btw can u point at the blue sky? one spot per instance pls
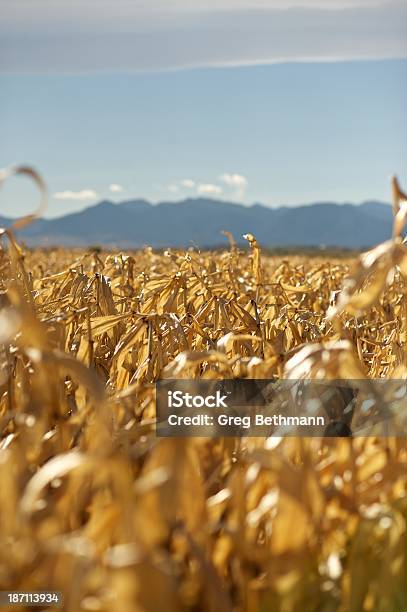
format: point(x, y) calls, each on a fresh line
point(110, 106)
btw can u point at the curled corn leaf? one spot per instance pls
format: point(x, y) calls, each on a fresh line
point(39, 181)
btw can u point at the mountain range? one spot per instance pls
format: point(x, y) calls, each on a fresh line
point(199, 222)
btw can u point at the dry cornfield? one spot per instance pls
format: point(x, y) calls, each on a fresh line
point(93, 504)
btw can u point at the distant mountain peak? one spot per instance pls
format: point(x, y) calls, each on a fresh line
point(200, 221)
point(137, 203)
point(102, 204)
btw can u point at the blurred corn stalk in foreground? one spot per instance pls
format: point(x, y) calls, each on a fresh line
point(94, 505)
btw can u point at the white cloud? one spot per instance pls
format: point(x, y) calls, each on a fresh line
point(238, 182)
point(115, 188)
point(209, 189)
point(173, 188)
point(85, 194)
point(188, 183)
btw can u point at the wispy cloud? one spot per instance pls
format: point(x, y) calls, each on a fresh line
point(209, 189)
point(82, 196)
point(233, 5)
point(238, 182)
point(44, 35)
point(115, 188)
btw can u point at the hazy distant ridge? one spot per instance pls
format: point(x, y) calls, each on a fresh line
point(199, 222)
